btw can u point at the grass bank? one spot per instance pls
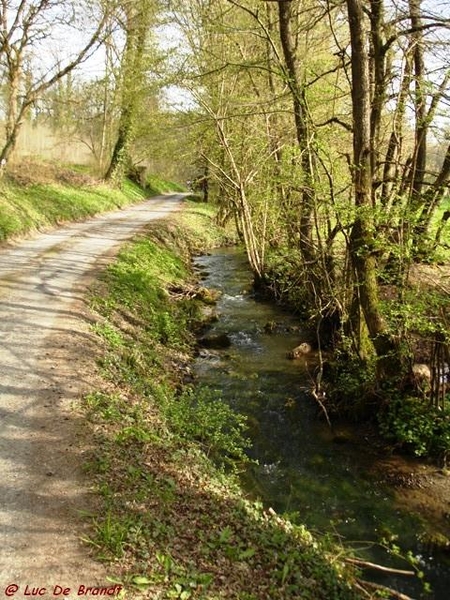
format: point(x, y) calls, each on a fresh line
point(174, 522)
point(38, 195)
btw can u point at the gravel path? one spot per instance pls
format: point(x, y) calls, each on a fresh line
point(46, 352)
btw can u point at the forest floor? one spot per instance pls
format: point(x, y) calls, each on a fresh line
point(432, 277)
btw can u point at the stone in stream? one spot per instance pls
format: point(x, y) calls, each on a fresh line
point(280, 327)
point(300, 350)
point(208, 295)
point(217, 341)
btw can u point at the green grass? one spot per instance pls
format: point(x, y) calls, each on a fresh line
point(174, 521)
point(39, 196)
point(158, 185)
point(24, 208)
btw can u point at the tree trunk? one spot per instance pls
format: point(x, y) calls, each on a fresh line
point(120, 160)
point(421, 126)
point(138, 19)
point(362, 234)
point(288, 42)
point(379, 79)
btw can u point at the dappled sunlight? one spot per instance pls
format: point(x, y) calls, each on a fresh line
point(45, 364)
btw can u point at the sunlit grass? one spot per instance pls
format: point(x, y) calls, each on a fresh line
point(39, 196)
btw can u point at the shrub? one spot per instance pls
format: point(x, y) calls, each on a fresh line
point(199, 414)
point(418, 427)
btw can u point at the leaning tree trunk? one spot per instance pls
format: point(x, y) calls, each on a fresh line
point(133, 78)
point(303, 134)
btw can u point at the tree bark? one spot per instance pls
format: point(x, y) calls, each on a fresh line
point(287, 37)
point(138, 21)
point(379, 79)
point(362, 238)
point(421, 126)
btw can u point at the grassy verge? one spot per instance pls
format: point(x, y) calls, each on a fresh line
point(174, 522)
point(157, 185)
point(34, 196)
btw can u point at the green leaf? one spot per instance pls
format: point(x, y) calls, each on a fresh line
point(225, 535)
point(141, 581)
point(285, 573)
point(247, 553)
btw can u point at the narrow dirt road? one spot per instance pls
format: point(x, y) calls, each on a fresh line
point(45, 361)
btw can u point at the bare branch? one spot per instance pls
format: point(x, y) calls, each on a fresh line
point(335, 120)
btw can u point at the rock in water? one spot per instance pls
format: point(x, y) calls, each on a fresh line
point(217, 341)
point(300, 350)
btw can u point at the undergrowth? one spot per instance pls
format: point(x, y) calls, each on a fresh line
point(174, 520)
point(412, 424)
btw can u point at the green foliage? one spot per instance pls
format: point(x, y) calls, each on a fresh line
point(194, 220)
point(110, 334)
point(107, 406)
point(417, 312)
point(351, 383)
point(158, 185)
point(200, 414)
point(111, 534)
point(281, 279)
point(415, 425)
point(180, 526)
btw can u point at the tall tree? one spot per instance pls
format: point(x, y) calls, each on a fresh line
point(288, 20)
point(135, 19)
point(362, 238)
point(29, 25)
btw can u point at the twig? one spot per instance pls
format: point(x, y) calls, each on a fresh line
point(317, 391)
point(371, 565)
point(317, 395)
point(376, 586)
point(359, 587)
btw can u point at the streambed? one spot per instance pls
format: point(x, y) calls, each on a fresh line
point(343, 488)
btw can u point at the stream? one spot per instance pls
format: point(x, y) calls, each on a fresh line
point(302, 471)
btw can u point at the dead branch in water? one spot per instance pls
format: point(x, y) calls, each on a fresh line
point(368, 585)
point(371, 565)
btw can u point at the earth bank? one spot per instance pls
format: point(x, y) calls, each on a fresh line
point(174, 522)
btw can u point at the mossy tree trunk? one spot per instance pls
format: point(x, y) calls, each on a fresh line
point(137, 19)
point(362, 237)
point(304, 134)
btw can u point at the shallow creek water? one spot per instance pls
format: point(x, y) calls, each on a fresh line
point(301, 469)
